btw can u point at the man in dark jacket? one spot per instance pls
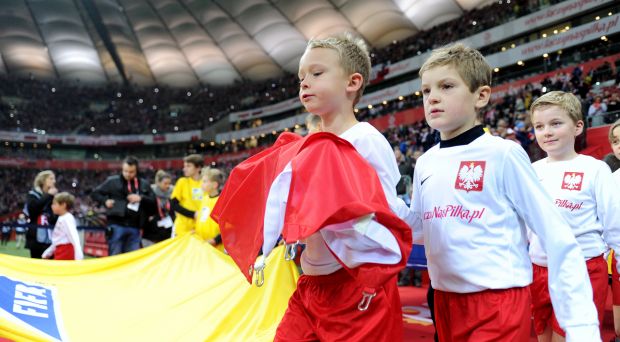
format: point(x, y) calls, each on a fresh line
point(128, 200)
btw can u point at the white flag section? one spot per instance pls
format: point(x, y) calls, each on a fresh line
point(178, 290)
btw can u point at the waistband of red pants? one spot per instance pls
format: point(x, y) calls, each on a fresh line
point(338, 276)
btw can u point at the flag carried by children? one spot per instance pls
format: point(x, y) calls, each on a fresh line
point(330, 183)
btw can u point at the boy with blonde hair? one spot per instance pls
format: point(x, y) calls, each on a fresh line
point(473, 196)
point(65, 239)
point(613, 158)
point(206, 227)
point(582, 188)
point(333, 73)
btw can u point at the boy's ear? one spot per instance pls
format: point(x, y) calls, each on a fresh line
point(579, 127)
point(483, 95)
point(356, 80)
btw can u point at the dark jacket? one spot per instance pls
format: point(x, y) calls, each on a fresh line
point(152, 231)
point(117, 189)
point(39, 211)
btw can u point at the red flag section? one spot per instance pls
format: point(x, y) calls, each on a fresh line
point(240, 210)
point(331, 183)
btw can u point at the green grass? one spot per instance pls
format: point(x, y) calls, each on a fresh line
point(22, 252)
point(11, 250)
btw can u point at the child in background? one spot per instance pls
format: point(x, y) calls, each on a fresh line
point(186, 196)
point(159, 226)
point(474, 193)
point(206, 228)
point(6, 233)
point(614, 159)
point(313, 123)
point(65, 239)
point(583, 190)
point(20, 231)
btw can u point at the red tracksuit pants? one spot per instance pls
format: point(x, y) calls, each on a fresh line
point(325, 308)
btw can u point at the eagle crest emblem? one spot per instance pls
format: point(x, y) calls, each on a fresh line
point(470, 176)
point(572, 181)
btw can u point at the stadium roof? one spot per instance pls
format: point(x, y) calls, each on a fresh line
point(185, 43)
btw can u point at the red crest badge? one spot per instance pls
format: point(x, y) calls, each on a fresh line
point(470, 176)
point(572, 181)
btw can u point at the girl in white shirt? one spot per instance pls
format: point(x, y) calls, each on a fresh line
point(582, 189)
point(65, 240)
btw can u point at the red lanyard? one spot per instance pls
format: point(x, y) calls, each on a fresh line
point(159, 208)
point(135, 183)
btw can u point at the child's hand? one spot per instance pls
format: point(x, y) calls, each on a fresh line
point(212, 242)
point(109, 203)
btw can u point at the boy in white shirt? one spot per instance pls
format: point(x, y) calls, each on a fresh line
point(329, 303)
point(474, 194)
point(65, 239)
point(583, 190)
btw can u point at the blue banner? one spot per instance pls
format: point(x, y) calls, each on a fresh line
point(31, 304)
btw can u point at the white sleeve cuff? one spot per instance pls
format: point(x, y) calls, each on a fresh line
point(579, 333)
point(362, 240)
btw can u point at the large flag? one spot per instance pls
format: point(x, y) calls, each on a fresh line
point(240, 209)
point(330, 183)
point(178, 290)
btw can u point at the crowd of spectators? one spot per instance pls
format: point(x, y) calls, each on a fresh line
point(32, 105)
point(470, 23)
point(506, 116)
point(60, 107)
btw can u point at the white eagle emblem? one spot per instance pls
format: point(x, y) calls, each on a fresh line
point(572, 180)
point(470, 176)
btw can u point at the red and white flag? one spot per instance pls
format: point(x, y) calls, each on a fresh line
point(330, 184)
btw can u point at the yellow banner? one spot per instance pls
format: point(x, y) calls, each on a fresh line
point(181, 289)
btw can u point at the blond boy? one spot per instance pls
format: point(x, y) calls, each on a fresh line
point(329, 304)
point(613, 158)
point(614, 141)
point(474, 194)
point(582, 188)
point(206, 227)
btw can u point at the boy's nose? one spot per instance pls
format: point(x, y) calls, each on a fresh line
point(432, 98)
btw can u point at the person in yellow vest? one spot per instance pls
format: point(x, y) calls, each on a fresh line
point(186, 196)
point(206, 228)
